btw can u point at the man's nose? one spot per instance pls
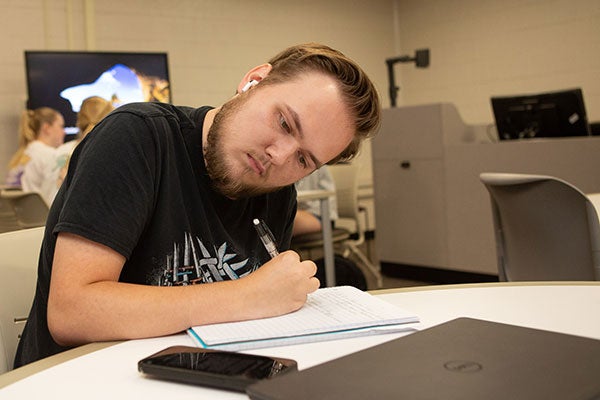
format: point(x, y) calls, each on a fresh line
point(280, 151)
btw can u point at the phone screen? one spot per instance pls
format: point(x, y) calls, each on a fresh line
point(221, 369)
point(230, 364)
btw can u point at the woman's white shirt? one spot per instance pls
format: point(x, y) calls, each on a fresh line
point(41, 172)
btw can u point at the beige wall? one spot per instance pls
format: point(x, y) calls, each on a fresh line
point(481, 48)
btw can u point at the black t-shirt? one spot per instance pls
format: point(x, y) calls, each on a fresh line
point(138, 184)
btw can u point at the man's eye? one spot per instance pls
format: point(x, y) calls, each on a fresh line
point(284, 123)
point(302, 160)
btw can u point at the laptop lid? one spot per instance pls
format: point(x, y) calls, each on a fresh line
point(461, 359)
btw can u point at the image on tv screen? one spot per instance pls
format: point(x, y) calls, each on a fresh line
point(62, 80)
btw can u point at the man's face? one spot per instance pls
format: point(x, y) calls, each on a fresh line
point(272, 136)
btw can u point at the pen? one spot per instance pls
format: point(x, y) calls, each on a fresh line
point(266, 237)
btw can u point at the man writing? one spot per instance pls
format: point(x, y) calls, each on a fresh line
point(151, 231)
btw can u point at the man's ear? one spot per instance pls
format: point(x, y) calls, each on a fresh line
point(255, 74)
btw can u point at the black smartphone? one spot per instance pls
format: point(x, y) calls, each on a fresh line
point(220, 369)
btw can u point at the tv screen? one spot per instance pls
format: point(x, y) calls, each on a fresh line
point(551, 114)
point(63, 79)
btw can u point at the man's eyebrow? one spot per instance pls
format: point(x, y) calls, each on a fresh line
point(298, 126)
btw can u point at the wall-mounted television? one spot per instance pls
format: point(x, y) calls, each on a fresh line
point(63, 79)
point(541, 115)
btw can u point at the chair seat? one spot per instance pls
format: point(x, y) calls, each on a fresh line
point(315, 239)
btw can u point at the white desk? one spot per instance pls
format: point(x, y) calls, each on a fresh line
point(323, 197)
point(111, 372)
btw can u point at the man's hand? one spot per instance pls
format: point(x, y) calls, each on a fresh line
point(281, 285)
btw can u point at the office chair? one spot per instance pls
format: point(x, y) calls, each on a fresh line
point(345, 241)
point(545, 229)
point(19, 252)
point(21, 210)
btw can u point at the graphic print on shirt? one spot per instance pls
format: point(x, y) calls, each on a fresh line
point(194, 263)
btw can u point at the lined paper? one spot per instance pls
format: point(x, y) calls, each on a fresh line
point(342, 310)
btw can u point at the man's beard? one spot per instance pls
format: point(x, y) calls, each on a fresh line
point(218, 169)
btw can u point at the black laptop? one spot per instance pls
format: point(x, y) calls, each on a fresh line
point(461, 359)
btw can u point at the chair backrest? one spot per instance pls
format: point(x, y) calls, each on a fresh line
point(545, 229)
point(8, 216)
point(21, 210)
point(19, 252)
point(346, 193)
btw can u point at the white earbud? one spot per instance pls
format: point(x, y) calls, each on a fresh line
point(249, 85)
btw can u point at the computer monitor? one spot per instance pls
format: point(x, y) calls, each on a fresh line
point(542, 115)
point(63, 79)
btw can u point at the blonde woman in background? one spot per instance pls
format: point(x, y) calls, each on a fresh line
point(41, 132)
point(92, 110)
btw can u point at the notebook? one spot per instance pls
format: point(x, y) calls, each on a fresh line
point(461, 359)
point(328, 314)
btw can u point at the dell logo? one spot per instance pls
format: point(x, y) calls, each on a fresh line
point(463, 366)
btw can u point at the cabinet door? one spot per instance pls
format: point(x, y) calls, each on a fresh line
point(410, 212)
